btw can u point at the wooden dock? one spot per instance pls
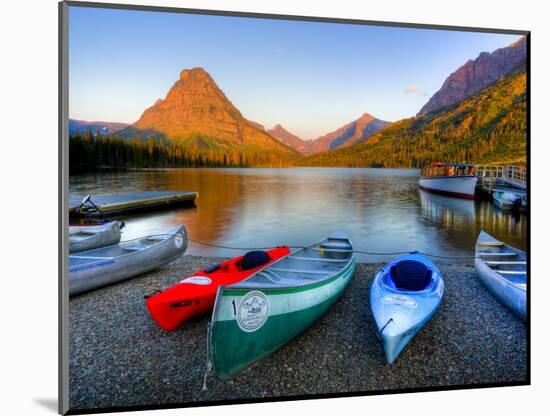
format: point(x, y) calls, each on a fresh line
point(117, 204)
point(493, 178)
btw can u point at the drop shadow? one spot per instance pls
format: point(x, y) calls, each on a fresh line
point(49, 404)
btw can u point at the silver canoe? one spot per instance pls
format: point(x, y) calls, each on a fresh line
point(92, 269)
point(503, 270)
point(87, 237)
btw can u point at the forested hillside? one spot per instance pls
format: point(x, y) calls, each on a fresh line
point(490, 126)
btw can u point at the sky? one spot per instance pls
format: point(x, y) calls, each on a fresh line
point(310, 77)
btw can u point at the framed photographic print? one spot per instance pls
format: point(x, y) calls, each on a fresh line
point(265, 207)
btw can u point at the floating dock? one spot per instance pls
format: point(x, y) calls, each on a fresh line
point(117, 204)
point(494, 178)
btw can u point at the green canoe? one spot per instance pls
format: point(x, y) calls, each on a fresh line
point(256, 316)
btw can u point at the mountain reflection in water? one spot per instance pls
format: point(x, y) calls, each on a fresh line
point(382, 209)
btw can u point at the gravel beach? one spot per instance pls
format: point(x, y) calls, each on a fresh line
point(119, 357)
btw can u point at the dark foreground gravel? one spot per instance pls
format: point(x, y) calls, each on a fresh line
point(119, 357)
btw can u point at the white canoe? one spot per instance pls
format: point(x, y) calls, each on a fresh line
point(92, 269)
point(87, 237)
point(503, 270)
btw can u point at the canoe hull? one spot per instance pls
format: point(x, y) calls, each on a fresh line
point(511, 296)
point(400, 314)
point(234, 346)
point(457, 186)
point(87, 277)
point(97, 236)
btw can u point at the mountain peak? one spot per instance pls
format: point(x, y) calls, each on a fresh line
point(286, 137)
point(477, 74)
point(197, 115)
point(357, 131)
point(518, 42)
point(279, 128)
point(194, 72)
point(366, 117)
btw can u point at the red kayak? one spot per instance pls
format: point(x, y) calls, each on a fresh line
point(195, 295)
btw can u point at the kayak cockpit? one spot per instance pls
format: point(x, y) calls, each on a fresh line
point(251, 260)
point(409, 275)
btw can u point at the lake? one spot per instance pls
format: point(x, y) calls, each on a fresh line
point(383, 210)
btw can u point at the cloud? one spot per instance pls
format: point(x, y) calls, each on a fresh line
point(413, 89)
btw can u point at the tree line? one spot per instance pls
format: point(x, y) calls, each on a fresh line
point(90, 151)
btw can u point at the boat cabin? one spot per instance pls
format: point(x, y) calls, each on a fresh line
point(448, 169)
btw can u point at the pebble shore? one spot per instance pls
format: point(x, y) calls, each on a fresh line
point(118, 357)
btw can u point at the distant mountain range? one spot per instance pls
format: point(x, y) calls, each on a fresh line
point(477, 115)
point(490, 126)
point(196, 114)
point(104, 127)
point(475, 75)
point(355, 132)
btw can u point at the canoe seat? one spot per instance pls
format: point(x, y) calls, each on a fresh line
point(410, 275)
point(335, 245)
point(134, 247)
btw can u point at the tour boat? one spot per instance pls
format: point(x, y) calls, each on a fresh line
point(452, 179)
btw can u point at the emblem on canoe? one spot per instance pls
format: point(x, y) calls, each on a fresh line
point(253, 311)
point(400, 300)
point(178, 240)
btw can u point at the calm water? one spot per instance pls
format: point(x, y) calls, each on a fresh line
point(382, 209)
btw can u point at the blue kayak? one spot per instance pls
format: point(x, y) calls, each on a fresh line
point(404, 296)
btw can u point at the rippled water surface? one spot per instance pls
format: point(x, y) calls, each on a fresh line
point(382, 209)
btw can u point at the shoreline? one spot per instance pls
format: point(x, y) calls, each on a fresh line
point(119, 357)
